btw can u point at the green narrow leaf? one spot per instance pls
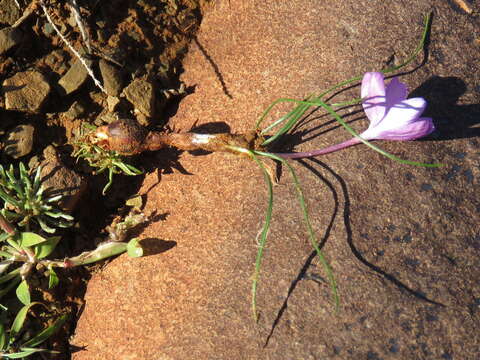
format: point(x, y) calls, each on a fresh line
point(22, 354)
point(52, 278)
point(4, 236)
point(10, 275)
point(46, 333)
point(332, 112)
point(44, 249)
point(23, 293)
point(44, 226)
point(9, 199)
point(421, 44)
point(263, 236)
point(24, 177)
point(110, 181)
point(37, 180)
point(293, 118)
point(128, 169)
point(27, 239)
point(134, 249)
point(20, 320)
point(58, 214)
point(3, 337)
point(15, 281)
point(103, 251)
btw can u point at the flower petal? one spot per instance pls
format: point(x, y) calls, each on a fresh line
point(409, 131)
point(404, 112)
point(373, 95)
point(396, 92)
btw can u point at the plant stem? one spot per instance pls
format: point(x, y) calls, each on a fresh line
point(312, 153)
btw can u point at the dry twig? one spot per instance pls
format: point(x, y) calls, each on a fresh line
point(75, 52)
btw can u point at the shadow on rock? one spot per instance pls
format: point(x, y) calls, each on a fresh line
point(154, 246)
point(304, 274)
point(452, 121)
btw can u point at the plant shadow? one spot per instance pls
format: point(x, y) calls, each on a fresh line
point(452, 121)
point(155, 246)
point(315, 166)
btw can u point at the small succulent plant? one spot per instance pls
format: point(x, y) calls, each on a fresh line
point(25, 200)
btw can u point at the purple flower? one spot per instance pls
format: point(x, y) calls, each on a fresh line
point(392, 116)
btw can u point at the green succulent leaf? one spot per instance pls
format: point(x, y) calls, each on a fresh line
point(44, 249)
point(20, 320)
point(52, 278)
point(3, 337)
point(27, 239)
point(45, 227)
point(23, 293)
point(4, 236)
point(134, 249)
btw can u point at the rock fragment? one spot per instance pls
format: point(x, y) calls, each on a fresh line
point(74, 78)
point(75, 111)
point(9, 38)
point(112, 103)
point(9, 12)
point(112, 78)
point(19, 141)
point(58, 179)
point(26, 91)
point(141, 93)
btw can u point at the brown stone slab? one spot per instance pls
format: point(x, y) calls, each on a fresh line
point(191, 300)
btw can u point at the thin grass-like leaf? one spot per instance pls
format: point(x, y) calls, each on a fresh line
point(293, 118)
point(59, 215)
point(44, 226)
point(128, 169)
point(263, 235)
point(9, 199)
point(355, 134)
point(37, 180)
point(109, 183)
point(14, 184)
point(306, 218)
point(299, 110)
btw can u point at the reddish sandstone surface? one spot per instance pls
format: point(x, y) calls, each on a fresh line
point(190, 299)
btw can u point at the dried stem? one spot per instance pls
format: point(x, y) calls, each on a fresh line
point(75, 52)
point(78, 19)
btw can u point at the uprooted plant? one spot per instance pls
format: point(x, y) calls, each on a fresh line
point(392, 117)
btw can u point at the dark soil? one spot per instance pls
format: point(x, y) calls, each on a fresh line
point(141, 39)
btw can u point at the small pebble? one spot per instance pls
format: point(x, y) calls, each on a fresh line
point(9, 38)
point(141, 94)
point(74, 78)
point(26, 91)
point(19, 141)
